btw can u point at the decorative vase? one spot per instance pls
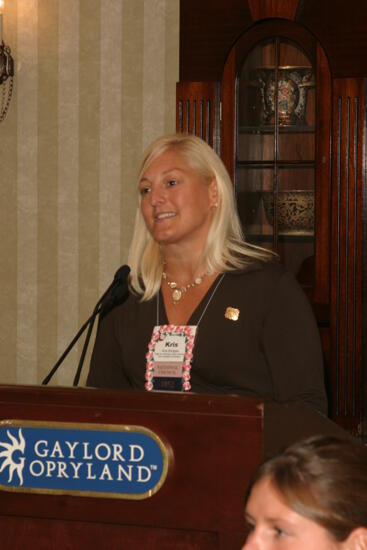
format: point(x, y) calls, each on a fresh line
point(293, 83)
point(296, 211)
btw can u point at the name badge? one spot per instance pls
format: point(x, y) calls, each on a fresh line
point(169, 356)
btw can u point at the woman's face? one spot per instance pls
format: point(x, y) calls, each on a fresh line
point(176, 202)
point(274, 526)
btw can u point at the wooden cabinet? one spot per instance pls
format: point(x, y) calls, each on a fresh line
point(290, 129)
point(274, 156)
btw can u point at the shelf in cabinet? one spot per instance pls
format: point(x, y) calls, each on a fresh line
point(270, 129)
point(267, 191)
point(282, 237)
point(260, 164)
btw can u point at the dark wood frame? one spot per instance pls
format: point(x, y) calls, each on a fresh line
point(319, 295)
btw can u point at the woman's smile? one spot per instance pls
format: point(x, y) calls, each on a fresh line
point(164, 216)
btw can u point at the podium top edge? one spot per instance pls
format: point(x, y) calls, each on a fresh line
point(133, 400)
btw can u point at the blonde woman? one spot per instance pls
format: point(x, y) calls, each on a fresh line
point(207, 312)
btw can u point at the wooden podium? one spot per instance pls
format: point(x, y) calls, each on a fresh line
point(215, 442)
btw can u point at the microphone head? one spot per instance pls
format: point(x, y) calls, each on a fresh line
point(122, 274)
point(117, 292)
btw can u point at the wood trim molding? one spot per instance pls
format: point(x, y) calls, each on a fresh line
point(321, 291)
point(346, 252)
point(261, 9)
point(228, 123)
point(198, 110)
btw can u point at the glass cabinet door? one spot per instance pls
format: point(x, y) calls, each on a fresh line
point(275, 153)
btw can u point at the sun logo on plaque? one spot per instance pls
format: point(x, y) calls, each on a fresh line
point(16, 445)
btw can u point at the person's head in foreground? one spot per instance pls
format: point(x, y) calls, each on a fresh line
point(313, 496)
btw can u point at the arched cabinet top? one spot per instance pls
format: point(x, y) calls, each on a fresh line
point(263, 30)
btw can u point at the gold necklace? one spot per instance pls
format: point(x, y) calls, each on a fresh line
point(178, 292)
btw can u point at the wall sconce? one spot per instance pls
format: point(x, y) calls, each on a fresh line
point(6, 71)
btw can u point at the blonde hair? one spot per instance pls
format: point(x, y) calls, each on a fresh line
point(225, 249)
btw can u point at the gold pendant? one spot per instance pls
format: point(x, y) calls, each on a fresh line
point(176, 295)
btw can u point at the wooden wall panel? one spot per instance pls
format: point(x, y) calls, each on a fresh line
point(286, 9)
point(364, 273)
point(197, 110)
point(346, 252)
point(209, 28)
point(321, 291)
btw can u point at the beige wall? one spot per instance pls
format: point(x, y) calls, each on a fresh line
point(95, 83)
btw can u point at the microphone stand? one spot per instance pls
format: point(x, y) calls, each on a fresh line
point(46, 380)
point(85, 346)
point(119, 280)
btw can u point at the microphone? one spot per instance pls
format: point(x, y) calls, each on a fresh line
point(116, 291)
point(111, 297)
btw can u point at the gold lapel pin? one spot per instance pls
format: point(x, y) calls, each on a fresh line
point(232, 313)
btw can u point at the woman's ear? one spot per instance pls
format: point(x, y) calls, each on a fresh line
point(213, 190)
point(357, 540)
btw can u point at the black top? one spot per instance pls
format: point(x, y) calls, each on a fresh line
point(272, 350)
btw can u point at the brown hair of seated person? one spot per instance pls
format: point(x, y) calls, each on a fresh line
point(323, 479)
